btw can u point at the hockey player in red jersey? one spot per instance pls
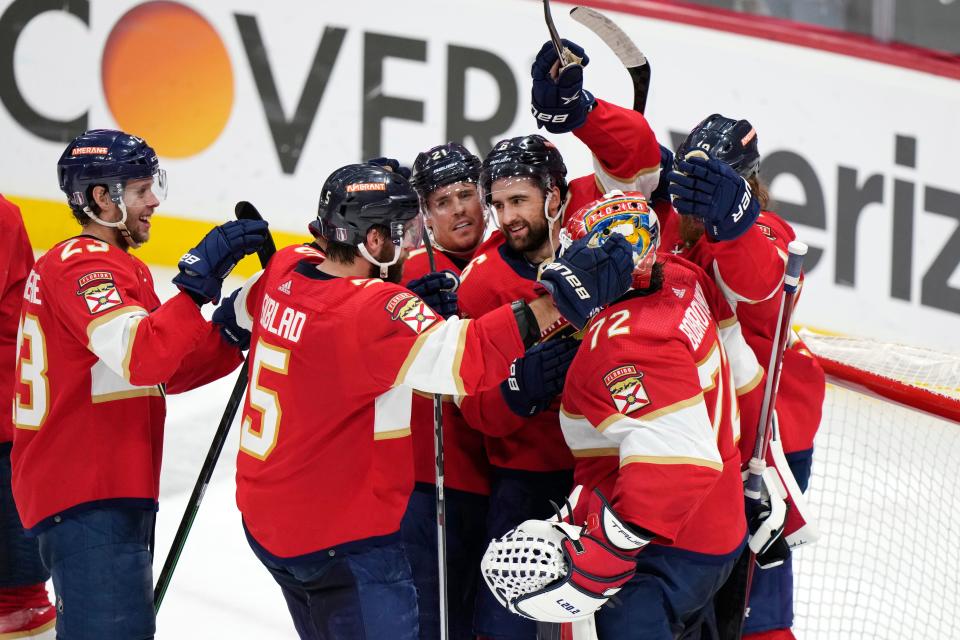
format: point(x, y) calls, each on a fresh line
point(25, 609)
point(97, 353)
point(726, 228)
point(525, 184)
point(324, 476)
point(445, 178)
point(652, 423)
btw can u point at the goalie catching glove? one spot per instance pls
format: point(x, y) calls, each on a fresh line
point(556, 571)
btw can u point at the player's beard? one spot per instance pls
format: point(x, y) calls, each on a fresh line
point(537, 231)
point(394, 271)
point(691, 230)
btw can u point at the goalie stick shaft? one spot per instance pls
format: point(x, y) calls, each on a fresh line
point(629, 54)
point(244, 211)
point(791, 283)
point(438, 477)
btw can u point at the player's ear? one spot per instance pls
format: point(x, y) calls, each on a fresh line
point(101, 196)
point(375, 240)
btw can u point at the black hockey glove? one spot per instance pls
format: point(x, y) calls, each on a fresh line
point(537, 377)
point(225, 317)
point(712, 191)
point(586, 279)
point(439, 290)
point(560, 104)
point(203, 268)
point(392, 164)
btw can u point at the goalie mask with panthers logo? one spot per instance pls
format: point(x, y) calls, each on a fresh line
point(628, 214)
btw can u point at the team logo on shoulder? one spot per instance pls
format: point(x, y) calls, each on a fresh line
point(626, 389)
point(766, 230)
point(410, 310)
point(99, 291)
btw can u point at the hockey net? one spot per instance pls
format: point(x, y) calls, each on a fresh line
point(884, 494)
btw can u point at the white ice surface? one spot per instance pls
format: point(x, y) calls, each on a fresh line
point(219, 589)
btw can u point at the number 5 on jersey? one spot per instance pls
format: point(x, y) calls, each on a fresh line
point(265, 401)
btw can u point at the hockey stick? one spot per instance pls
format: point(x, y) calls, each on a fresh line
point(566, 56)
point(438, 476)
point(243, 211)
point(632, 58)
point(736, 593)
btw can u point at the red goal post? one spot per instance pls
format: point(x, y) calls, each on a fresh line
point(884, 494)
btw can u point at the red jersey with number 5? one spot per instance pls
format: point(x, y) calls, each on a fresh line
point(653, 421)
point(325, 455)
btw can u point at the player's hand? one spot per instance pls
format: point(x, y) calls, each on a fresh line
point(599, 552)
point(559, 100)
point(666, 166)
point(225, 317)
point(203, 268)
point(439, 290)
point(392, 164)
point(585, 279)
point(766, 516)
point(537, 377)
point(712, 191)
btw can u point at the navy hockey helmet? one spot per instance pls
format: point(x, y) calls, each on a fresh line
point(106, 157)
point(442, 165)
point(356, 197)
point(530, 156)
point(731, 141)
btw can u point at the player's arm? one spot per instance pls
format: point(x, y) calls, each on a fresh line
point(749, 269)
point(98, 299)
point(18, 255)
point(648, 404)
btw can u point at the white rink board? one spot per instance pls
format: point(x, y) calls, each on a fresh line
point(829, 110)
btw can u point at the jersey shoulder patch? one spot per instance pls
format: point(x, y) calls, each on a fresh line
point(407, 308)
point(625, 385)
point(99, 291)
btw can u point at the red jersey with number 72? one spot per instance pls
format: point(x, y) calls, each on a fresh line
point(654, 419)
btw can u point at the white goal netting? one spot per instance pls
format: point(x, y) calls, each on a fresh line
point(884, 494)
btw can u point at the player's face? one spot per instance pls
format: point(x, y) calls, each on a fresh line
point(455, 216)
point(385, 254)
point(140, 199)
point(519, 207)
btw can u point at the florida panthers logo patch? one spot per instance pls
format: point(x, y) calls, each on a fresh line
point(411, 310)
point(99, 291)
point(626, 389)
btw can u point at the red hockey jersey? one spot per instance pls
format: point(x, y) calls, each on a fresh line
point(325, 455)
point(498, 276)
point(653, 419)
point(16, 264)
point(627, 157)
point(95, 349)
point(749, 271)
point(465, 462)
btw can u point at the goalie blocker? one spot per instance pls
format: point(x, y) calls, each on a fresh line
point(557, 571)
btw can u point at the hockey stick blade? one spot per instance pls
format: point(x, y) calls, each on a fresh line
point(623, 47)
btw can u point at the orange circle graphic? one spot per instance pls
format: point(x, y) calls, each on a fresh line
point(167, 78)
